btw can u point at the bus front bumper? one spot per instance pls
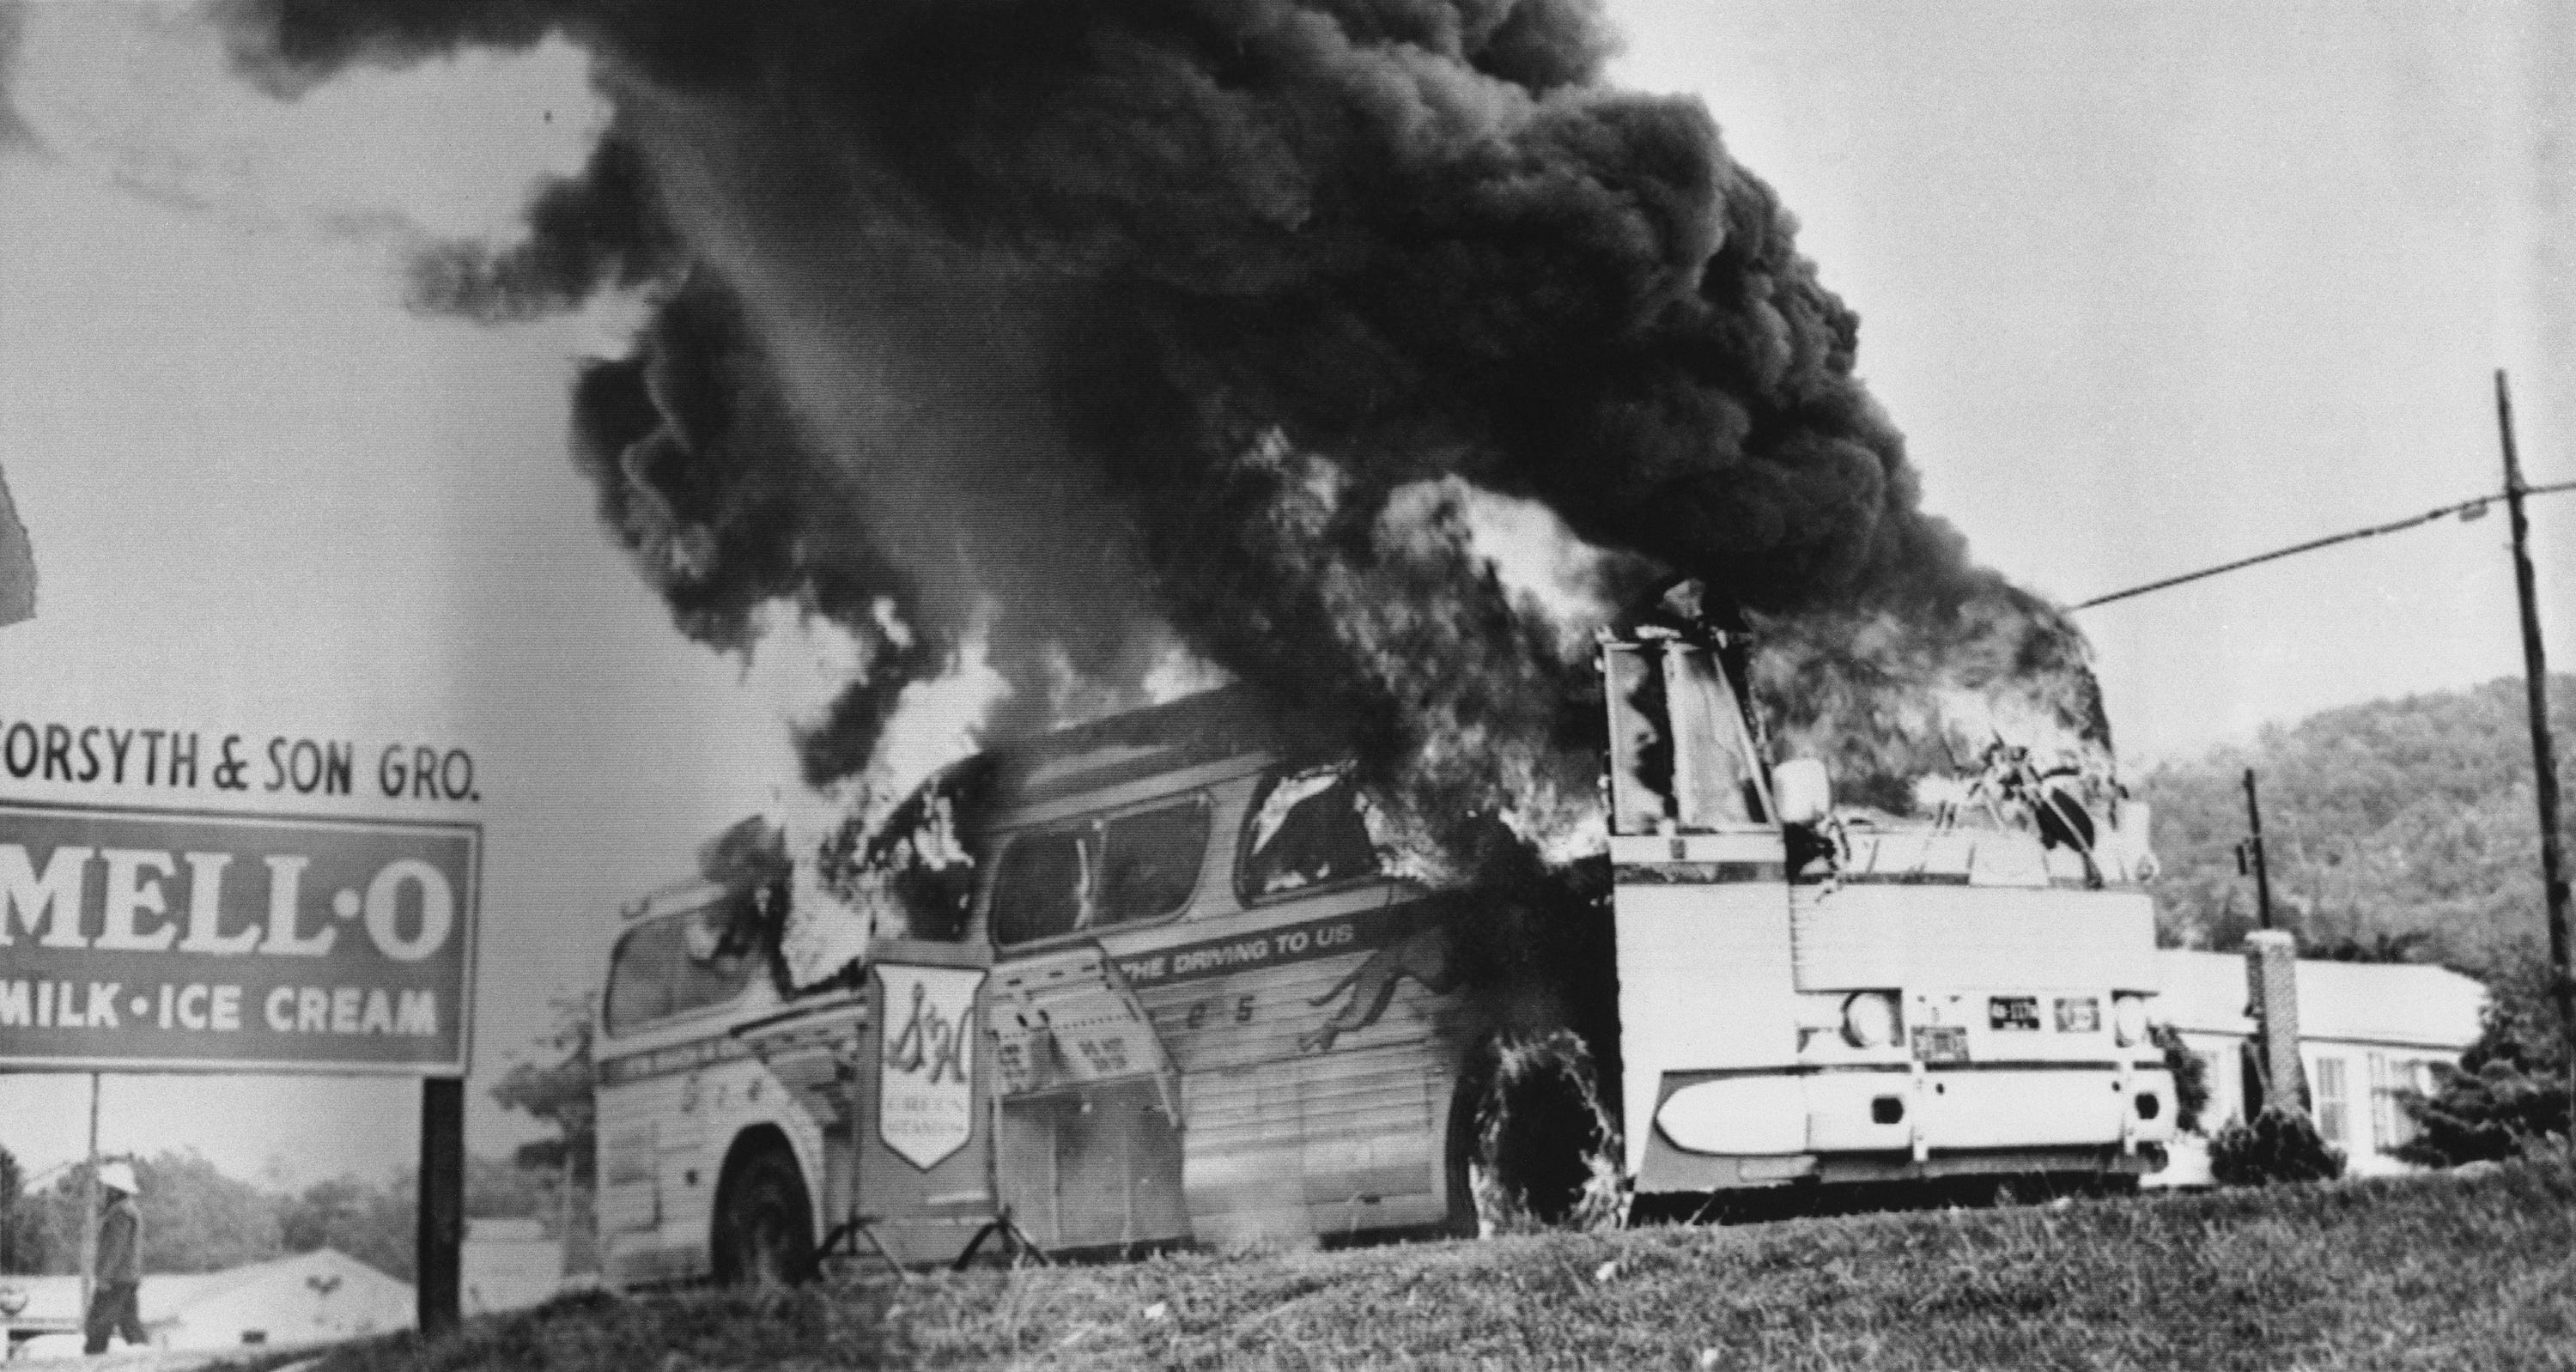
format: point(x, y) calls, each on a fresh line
point(1722, 1130)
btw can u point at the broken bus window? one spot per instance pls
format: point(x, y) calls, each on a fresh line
point(1309, 827)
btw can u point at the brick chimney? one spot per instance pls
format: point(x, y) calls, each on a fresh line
point(2272, 991)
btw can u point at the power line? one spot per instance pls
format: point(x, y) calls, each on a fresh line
point(2466, 509)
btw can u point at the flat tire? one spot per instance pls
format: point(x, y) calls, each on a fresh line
point(764, 1225)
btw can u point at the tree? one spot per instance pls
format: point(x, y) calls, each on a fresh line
point(560, 1092)
point(195, 1219)
point(2190, 1075)
point(371, 1224)
point(12, 1181)
point(563, 1093)
point(2396, 830)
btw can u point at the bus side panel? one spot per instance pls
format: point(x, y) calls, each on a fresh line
point(1704, 984)
point(649, 1134)
point(665, 1135)
point(1093, 1166)
point(1090, 1154)
point(1316, 1079)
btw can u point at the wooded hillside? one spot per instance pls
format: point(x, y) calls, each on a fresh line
point(2399, 827)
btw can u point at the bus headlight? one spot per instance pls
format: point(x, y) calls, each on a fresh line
point(2129, 1019)
point(1869, 1019)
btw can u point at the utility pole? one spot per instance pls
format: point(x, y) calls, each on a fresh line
point(2544, 758)
point(2249, 855)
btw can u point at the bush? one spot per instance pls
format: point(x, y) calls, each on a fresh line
point(2190, 1076)
point(2510, 1089)
point(2280, 1145)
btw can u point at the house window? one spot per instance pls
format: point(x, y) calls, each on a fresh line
point(2331, 1101)
point(2383, 1104)
point(2390, 1080)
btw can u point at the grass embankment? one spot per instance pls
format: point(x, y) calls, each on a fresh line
point(2429, 1272)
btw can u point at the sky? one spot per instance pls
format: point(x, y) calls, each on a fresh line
point(2148, 287)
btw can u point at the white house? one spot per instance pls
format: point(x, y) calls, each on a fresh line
point(2367, 1031)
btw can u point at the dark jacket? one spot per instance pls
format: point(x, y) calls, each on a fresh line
point(120, 1241)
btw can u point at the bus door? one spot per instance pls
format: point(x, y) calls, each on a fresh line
point(1090, 1134)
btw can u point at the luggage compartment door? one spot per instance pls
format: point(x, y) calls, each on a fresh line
point(1090, 1113)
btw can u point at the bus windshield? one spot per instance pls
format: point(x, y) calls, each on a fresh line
point(677, 963)
point(1681, 759)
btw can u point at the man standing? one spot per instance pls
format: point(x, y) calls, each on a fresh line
point(112, 1309)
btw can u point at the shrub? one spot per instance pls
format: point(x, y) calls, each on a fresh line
point(2190, 1076)
point(2510, 1089)
point(2280, 1145)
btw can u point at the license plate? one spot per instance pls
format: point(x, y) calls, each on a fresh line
point(1941, 1043)
point(2013, 1012)
point(2079, 1015)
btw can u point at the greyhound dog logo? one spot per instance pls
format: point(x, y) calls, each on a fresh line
point(1423, 955)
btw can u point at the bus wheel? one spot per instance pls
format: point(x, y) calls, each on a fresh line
point(764, 1226)
point(1525, 1137)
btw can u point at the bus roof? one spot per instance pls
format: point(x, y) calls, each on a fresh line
point(1193, 731)
point(688, 894)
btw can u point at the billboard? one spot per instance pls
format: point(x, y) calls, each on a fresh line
point(156, 940)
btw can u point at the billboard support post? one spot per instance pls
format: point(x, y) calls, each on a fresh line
point(440, 1242)
point(89, 1208)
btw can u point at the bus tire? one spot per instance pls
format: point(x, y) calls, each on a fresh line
point(764, 1225)
point(1522, 1134)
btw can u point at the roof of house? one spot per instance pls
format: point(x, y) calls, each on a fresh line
point(2399, 1004)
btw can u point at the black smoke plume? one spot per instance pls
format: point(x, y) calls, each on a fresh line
point(1121, 331)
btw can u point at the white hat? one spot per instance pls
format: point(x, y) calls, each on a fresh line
point(118, 1176)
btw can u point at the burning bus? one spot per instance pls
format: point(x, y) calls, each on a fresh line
point(1154, 981)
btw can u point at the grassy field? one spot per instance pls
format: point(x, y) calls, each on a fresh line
point(2428, 1272)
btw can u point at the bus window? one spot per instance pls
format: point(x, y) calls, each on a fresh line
point(1713, 781)
point(915, 872)
point(716, 959)
point(1641, 753)
point(675, 964)
point(1310, 827)
point(1151, 862)
point(1040, 889)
